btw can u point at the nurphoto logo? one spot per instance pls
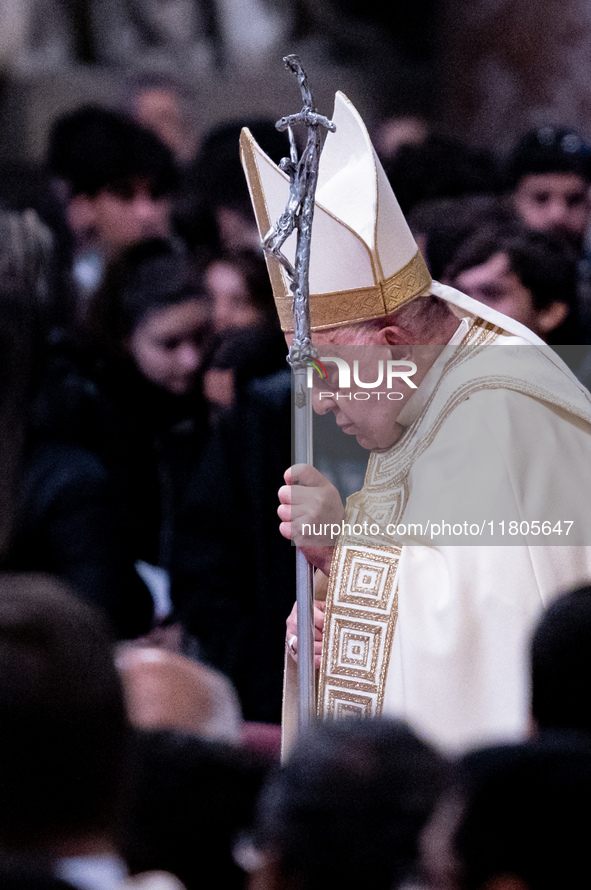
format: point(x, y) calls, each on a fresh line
point(388, 373)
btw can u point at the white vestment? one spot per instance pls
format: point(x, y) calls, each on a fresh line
point(434, 632)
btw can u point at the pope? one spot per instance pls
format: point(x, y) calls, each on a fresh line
point(475, 510)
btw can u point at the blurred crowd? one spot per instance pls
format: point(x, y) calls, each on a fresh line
point(138, 327)
point(191, 36)
point(199, 37)
point(131, 767)
point(145, 426)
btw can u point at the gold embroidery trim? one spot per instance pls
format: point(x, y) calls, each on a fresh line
point(391, 627)
point(378, 619)
point(337, 308)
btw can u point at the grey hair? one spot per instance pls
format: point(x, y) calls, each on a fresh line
point(424, 318)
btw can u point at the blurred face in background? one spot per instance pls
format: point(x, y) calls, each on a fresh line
point(132, 212)
point(160, 110)
point(237, 231)
point(232, 303)
point(396, 131)
point(496, 284)
point(169, 345)
point(555, 202)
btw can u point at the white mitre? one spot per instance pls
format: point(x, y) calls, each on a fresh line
point(364, 260)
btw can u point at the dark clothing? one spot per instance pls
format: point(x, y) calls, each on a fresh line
point(155, 444)
point(69, 525)
point(146, 439)
point(257, 350)
point(232, 574)
point(107, 459)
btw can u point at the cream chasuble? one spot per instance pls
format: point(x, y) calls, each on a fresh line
point(437, 633)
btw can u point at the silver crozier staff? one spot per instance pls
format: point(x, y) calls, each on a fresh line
point(298, 214)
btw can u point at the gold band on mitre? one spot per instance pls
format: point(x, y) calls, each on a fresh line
point(340, 308)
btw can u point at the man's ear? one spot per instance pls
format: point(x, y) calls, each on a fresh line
point(553, 315)
point(392, 335)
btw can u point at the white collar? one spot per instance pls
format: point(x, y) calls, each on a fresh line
point(418, 400)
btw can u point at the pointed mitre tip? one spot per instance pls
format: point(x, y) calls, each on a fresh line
point(342, 104)
point(247, 140)
point(347, 113)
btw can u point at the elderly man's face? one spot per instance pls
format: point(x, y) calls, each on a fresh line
point(370, 413)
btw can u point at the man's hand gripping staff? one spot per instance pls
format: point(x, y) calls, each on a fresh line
point(309, 499)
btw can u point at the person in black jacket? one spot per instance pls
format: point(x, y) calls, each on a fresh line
point(234, 592)
point(59, 508)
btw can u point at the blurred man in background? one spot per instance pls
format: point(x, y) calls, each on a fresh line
point(117, 180)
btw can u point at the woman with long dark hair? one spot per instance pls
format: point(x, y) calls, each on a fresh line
point(149, 333)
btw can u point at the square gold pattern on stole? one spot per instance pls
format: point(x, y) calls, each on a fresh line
point(363, 617)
